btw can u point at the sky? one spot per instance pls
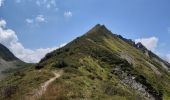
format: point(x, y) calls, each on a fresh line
point(32, 28)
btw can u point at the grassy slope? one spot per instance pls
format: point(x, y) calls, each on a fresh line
point(88, 62)
point(21, 83)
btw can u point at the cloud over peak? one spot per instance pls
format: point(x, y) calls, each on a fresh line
point(150, 43)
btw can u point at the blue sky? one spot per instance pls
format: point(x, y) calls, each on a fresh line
point(43, 25)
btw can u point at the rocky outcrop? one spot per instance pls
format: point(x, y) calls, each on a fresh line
point(129, 80)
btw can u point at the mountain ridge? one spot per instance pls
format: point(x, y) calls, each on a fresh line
point(97, 65)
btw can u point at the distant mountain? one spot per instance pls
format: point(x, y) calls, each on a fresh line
point(8, 61)
point(99, 65)
point(6, 54)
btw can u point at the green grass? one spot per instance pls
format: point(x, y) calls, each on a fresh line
point(25, 81)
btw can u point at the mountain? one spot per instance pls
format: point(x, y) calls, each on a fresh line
point(8, 62)
point(6, 54)
point(99, 65)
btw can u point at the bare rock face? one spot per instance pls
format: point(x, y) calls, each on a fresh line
point(155, 69)
point(129, 80)
point(162, 64)
point(125, 55)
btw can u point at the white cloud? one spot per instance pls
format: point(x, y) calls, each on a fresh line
point(37, 19)
point(40, 18)
point(2, 23)
point(1, 2)
point(168, 57)
point(9, 38)
point(149, 43)
point(29, 21)
point(46, 3)
point(68, 14)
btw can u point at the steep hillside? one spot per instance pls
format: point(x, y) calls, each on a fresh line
point(99, 65)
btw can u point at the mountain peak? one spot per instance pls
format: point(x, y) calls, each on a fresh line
point(99, 30)
point(99, 27)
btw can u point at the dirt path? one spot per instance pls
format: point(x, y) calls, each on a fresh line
point(39, 92)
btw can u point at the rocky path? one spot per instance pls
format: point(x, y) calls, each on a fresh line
point(39, 92)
